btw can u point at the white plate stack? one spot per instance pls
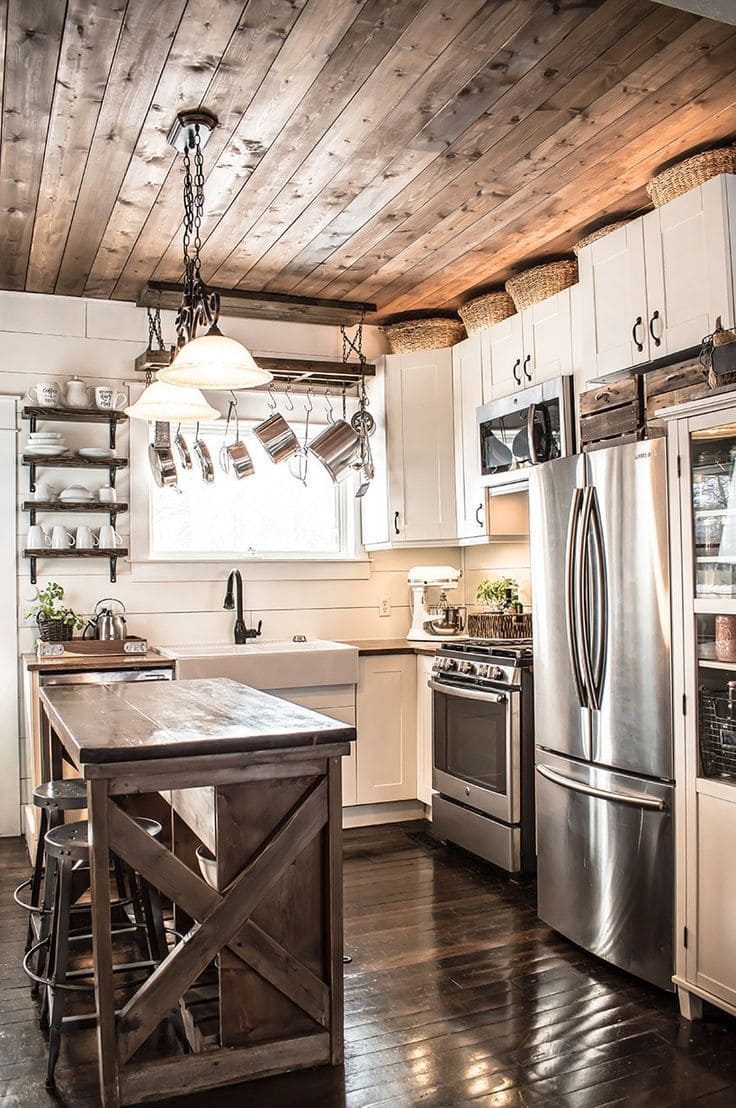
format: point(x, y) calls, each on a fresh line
point(46, 443)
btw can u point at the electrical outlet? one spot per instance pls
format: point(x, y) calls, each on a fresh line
point(384, 606)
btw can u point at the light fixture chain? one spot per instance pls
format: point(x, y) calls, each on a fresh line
point(198, 200)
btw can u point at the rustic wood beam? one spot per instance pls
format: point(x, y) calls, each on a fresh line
point(162, 990)
point(279, 306)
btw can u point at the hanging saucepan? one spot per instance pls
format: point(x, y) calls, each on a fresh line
point(275, 435)
point(235, 457)
point(205, 459)
point(335, 448)
point(182, 449)
point(160, 456)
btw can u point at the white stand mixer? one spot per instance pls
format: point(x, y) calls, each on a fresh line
point(436, 621)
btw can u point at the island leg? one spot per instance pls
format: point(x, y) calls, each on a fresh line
point(99, 865)
point(335, 909)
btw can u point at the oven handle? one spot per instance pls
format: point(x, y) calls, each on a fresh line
point(467, 694)
point(638, 800)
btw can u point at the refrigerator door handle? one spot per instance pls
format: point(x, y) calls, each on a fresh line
point(637, 800)
point(600, 599)
point(530, 417)
point(582, 589)
point(572, 612)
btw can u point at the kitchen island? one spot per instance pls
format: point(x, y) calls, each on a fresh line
point(269, 928)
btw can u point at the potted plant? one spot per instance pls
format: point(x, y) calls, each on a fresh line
point(500, 595)
point(56, 623)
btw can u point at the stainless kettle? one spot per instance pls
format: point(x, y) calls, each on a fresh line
point(106, 624)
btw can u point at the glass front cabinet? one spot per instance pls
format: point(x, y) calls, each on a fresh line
point(702, 462)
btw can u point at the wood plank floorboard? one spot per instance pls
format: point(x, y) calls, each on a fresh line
point(457, 994)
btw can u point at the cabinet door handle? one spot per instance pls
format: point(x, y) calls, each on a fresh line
point(527, 374)
point(657, 341)
point(396, 523)
point(478, 510)
point(639, 345)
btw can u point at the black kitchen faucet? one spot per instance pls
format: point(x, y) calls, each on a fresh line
point(241, 633)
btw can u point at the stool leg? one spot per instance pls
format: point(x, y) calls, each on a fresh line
point(49, 897)
point(151, 900)
point(59, 968)
point(37, 875)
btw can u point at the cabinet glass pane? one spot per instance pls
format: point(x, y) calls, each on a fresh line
point(716, 656)
point(713, 486)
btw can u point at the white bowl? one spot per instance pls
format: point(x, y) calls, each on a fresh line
point(207, 865)
point(96, 452)
point(75, 492)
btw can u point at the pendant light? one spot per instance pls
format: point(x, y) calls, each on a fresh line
point(208, 361)
point(159, 402)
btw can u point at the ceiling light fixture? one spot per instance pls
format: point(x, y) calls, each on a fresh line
point(160, 402)
point(209, 361)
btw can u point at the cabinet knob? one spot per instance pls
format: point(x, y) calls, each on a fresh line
point(527, 374)
point(396, 523)
point(657, 341)
point(639, 345)
point(478, 510)
point(517, 377)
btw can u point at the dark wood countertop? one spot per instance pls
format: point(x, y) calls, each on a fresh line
point(133, 721)
point(93, 662)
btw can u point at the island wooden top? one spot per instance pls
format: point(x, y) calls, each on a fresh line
point(136, 722)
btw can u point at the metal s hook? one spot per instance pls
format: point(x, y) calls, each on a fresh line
point(328, 407)
point(309, 403)
point(272, 404)
point(287, 398)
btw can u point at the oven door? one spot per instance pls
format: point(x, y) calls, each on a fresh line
point(475, 744)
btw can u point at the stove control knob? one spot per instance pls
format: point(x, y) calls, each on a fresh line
point(497, 674)
point(450, 663)
point(467, 667)
point(483, 669)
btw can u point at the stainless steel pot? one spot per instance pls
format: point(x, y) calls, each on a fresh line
point(449, 621)
point(335, 448)
point(277, 438)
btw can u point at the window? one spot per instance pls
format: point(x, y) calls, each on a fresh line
point(271, 514)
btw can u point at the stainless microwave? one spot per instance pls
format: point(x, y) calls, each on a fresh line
point(528, 427)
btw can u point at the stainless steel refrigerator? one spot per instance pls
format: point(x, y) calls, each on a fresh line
point(603, 704)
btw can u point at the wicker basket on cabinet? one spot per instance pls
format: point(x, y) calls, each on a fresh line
point(588, 240)
point(407, 336)
point(484, 311)
point(689, 173)
point(534, 285)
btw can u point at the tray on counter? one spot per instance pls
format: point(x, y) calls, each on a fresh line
point(133, 645)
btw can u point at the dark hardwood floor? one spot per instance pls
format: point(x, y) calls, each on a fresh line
point(457, 995)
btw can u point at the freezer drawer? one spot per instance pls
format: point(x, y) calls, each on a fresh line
point(605, 863)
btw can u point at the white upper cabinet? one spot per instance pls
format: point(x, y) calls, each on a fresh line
point(529, 347)
point(412, 500)
point(658, 284)
point(467, 387)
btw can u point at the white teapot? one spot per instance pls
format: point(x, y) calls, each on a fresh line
point(77, 394)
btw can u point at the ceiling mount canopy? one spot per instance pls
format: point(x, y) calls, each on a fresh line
point(209, 360)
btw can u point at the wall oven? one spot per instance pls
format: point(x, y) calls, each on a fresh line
point(483, 751)
point(528, 427)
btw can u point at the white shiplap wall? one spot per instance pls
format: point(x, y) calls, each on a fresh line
point(51, 338)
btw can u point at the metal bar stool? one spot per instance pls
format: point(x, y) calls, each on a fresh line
point(66, 849)
point(53, 798)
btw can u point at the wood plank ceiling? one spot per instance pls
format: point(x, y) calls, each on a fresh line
point(396, 151)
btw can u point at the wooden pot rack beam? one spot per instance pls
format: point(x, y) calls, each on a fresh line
point(278, 306)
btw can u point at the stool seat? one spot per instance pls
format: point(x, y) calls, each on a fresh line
point(64, 796)
point(71, 840)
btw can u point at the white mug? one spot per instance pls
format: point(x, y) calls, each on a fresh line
point(107, 494)
point(108, 400)
point(46, 394)
point(60, 538)
point(37, 538)
point(86, 538)
point(109, 537)
point(44, 491)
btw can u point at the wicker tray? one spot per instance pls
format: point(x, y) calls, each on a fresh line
point(534, 285)
point(484, 311)
point(409, 335)
point(690, 173)
point(500, 625)
point(587, 240)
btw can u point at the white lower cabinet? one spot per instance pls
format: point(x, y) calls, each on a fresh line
point(424, 728)
point(386, 754)
point(337, 702)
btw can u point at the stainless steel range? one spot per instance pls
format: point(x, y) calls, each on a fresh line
point(483, 749)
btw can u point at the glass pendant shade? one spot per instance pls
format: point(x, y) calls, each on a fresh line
point(167, 403)
point(214, 362)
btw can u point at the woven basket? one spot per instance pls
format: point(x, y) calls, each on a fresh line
point(500, 625)
point(599, 234)
point(691, 172)
point(54, 630)
point(409, 335)
point(529, 288)
point(484, 311)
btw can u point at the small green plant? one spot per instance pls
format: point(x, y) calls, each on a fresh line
point(498, 594)
point(49, 606)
